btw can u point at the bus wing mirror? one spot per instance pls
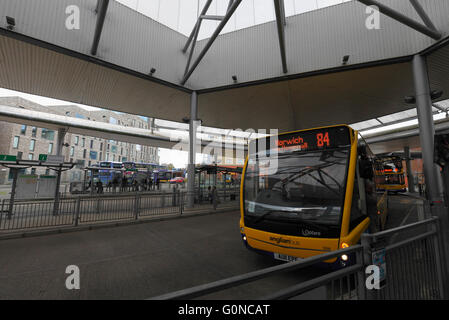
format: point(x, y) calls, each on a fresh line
point(366, 169)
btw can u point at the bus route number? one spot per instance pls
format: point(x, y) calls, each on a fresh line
point(322, 139)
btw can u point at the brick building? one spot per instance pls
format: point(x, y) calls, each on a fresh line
point(29, 142)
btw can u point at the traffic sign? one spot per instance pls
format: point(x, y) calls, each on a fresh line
point(42, 157)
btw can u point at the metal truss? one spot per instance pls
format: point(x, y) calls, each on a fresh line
point(191, 42)
point(102, 8)
point(428, 28)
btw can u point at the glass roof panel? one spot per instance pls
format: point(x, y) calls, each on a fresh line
point(181, 15)
point(365, 124)
point(399, 116)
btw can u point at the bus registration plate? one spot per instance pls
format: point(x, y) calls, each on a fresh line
point(284, 257)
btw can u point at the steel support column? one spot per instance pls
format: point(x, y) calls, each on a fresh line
point(192, 150)
point(60, 144)
point(102, 8)
point(411, 182)
point(426, 126)
point(434, 192)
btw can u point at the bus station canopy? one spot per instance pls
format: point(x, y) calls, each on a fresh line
point(299, 71)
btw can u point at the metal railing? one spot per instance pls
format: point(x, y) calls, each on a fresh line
point(414, 269)
point(88, 209)
point(25, 215)
point(288, 293)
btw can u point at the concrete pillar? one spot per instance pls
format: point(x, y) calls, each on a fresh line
point(408, 167)
point(192, 150)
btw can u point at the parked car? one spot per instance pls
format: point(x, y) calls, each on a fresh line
point(177, 180)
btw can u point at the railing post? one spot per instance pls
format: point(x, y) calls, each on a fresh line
point(367, 260)
point(77, 210)
point(361, 290)
point(181, 203)
point(1, 212)
point(441, 265)
point(137, 205)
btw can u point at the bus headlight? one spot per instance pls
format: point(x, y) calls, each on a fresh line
point(344, 257)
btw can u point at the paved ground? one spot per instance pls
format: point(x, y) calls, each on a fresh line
point(142, 261)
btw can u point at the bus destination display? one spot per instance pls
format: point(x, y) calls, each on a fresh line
point(310, 140)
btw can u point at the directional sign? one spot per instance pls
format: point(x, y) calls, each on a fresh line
point(4, 157)
point(42, 157)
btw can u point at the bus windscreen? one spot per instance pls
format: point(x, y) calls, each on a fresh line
point(304, 197)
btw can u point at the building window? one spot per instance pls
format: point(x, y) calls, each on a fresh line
point(77, 139)
point(23, 129)
point(15, 144)
point(101, 146)
point(101, 156)
point(50, 148)
point(30, 156)
point(33, 132)
point(19, 155)
point(33, 171)
point(48, 134)
point(72, 151)
point(83, 144)
point(47, 172)
point(32, 144)
point(84, 153)
point(91, 144)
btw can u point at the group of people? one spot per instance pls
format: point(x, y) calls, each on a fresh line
point(213, 196)
point(146, 184)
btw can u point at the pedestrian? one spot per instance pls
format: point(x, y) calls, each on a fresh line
point(124, 184)
point(114, 184)
point(215, 199)
point(209, 194)
point(99, 187)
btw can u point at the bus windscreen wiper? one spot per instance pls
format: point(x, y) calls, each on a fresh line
point(298, 219)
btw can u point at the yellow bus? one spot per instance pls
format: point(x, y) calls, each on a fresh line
point(389, 174)
point(309, 192)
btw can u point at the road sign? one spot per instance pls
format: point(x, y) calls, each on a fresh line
point(4, 157)
point(42, 157)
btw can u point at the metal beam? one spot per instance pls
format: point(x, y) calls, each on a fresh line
point(192, 34)
point(280, 20)
point(214, 36)
point(209, 17)
point(434, 34)
point(422, 13)
point(102, 8)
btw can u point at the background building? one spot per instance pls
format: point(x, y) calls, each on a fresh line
point(29, 142)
